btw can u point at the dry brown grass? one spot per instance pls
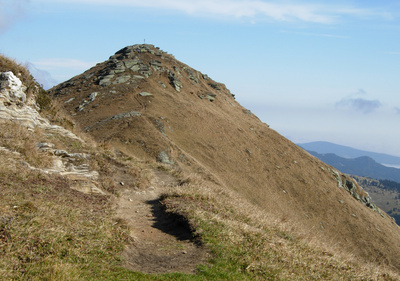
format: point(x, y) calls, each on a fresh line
point(260, 245)
point(50, 232)
point(19, 139)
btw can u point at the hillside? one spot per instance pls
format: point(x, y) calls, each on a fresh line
point(361, 166)
point(385, 193)
point(324, 147)
point(162, 175)
point(148, 105)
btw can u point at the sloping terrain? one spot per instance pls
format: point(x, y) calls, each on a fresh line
point(148, 105)
point(173, 180)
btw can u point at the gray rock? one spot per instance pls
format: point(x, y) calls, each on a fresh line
point(211, 97)
point(191, 75)
point(175, 82)
point(156, 64)
point(205, 77)
point(43, 146)
point(145, 94)
point(122, 79)
point(93, 96)
point(132, 64)
point(162, 84)
point(119, 67)
point(215, 86)
point(124, 115)
point(164, 158)
point(106, 80)
point(177, 70)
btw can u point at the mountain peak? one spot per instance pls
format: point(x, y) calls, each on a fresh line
point(148, 105)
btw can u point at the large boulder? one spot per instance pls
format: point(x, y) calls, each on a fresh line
point(11, 89)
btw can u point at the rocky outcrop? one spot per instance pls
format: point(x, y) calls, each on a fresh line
point(132, 65)
point(355, 190)
point(15, 107)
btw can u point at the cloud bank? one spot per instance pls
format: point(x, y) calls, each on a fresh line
point(273, 10)
point(359, 104)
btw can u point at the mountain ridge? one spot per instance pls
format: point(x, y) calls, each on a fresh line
point(187, 175)
point(363, 166)
point(150, 105)
point(324, 147)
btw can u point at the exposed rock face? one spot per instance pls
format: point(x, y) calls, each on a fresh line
point(14, 107)
point(133, 64)
point(355, 190)
point(12, 91)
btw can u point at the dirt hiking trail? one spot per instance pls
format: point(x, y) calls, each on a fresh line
point(161, 244)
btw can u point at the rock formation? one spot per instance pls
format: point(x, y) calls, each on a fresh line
point(16, 108)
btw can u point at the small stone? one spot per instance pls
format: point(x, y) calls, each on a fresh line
point(211, 97)
point(122, 183)
point(145, 94)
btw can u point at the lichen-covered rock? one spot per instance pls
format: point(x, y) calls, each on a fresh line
point(164, 158)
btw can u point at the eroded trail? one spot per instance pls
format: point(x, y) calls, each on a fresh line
point(161, 244)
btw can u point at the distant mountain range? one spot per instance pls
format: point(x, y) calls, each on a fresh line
point(324, 147)
point(363, 166)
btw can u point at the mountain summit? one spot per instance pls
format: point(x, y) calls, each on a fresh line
point(150, 106)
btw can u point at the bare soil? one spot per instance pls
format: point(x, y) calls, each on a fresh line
point(161, 243)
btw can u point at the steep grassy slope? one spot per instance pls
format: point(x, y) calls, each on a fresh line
point(150, 106)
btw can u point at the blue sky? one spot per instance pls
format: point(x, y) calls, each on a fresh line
point(312, 70)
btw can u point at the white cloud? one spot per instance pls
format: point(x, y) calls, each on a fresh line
point(286, 11)
point(10, 12)
point(357, 102)
point(74, 64)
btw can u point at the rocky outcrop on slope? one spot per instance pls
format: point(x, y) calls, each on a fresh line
point(350, 185)
point(16, 108)
point(132, 65)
